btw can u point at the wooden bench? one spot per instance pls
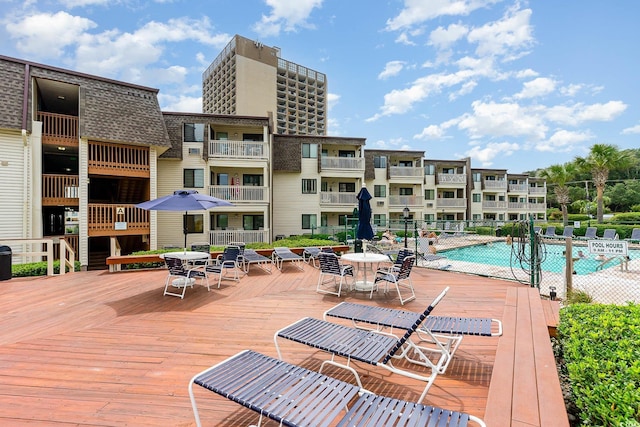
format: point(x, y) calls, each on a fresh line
point(552, 315)
point(525, 388)
point(114, 262)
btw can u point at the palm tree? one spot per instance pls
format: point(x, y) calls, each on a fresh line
point(602, 159)
point(558, 176)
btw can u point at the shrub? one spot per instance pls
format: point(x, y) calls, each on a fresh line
point(37, 268)
point(601, 347)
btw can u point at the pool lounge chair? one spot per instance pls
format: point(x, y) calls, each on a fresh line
point(591, 233)
point(610, 234)
point(550, 232)
point(250, 257)
point(280, 255)
point(447, 330)
point(295, 396)
point(310, 255)
point(635, 236)
point(566, 233)
point(367, 346)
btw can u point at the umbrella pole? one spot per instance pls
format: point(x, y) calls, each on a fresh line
point(184, 230)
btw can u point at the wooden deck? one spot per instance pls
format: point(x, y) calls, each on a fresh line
point(108, 349)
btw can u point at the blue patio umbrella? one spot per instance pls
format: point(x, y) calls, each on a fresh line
point(184, 200)
point(364, 231)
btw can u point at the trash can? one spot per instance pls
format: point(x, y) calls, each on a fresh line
point(5, 263)
point(357, 246)
point(498, 232)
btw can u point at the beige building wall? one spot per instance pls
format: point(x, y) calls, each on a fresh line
point(255, 87)
point(15, 176)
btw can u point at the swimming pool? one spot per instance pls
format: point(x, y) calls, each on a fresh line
point(500, 254)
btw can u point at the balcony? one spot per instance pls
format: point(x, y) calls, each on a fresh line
point(518, 206)
point(240, 193)
point(518, 188)
point(239, 149)
point(405, 172)
point(448, 178)
point(118, 160)
point(224, 237)
point(343, 163)
point(117, 220)
point(59, 129)
point(493, 204)
point(495, 185)
point(336, 199)
point(537, 190)
point(59, 190)
point(451, 203)
point(409, 201)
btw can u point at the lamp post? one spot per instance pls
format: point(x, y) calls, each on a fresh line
point(405, 215)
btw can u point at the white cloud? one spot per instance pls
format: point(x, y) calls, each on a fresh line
point(83, 3)
point(443, 38)
point(571, 89)
point(493, 149)
point(391, 68)
point(430, 132)
point(632, 130)
point(563, 140)
point(578, 113)
point(418, 11)
point(506, 37)
point(491, 119)
point(332, 100)
point(536, 88)
point(185, 104)
point(286, 15)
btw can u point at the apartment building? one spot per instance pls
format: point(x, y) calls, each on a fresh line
point(250, 79)
point(76, 153)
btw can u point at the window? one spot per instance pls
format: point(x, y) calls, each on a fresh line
point(477, 217)
point(310, 151)
point(252, 137)
point(222, 136)
point(405, 191)
point(477, 177)
point(347, 187)
point(309, 221)
point(252, 222)
point(309, 186)
point(429, 194)
point(194, 132)
point(193, 178)
point(379, 191)
point(405, 163)
point(429, 217)
point(380, 162)
point(490, 197)
point(324, 220)
point(380, 220)
point(448, 195)
point(221, 221)
point(448, 171)
point(477, 197)
point(346, 153)
point(429, 169)
point(195, 223)
point(252, 180)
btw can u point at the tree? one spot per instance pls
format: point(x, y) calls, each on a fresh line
point(558, 176)
point(602, 159)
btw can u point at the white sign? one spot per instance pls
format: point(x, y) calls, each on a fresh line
point(608, 247)
point(120, 210)
point(120, 225)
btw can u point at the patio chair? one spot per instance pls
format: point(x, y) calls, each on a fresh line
point(310, 255)
point(226, 265)
point(295, 396)
point(280, 255)
point(250, 257)
point(635, 236)
point(201, 247)
point(331, 269)
point(610, 234)
point(400, 278)
point(400, 256)
point(590, 233)
point(550, 232)
point(448, 331)
point(180, 277)
point(360, 345)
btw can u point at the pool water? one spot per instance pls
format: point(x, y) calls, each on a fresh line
point(500, 254)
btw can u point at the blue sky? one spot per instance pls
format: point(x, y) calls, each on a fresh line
point(515, 85)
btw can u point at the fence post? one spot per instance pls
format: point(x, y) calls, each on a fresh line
point(533, 250)
point(569, 265)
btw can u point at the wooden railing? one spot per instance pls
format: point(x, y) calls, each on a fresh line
point(59, 189)
point(118, 159)
point(113, 220)
point(59, 129)
point(240, 193)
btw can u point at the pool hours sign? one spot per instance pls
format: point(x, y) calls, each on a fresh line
point(608, 247)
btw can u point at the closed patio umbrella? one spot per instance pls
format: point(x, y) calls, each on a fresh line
point(184, 200)
point(364, 231)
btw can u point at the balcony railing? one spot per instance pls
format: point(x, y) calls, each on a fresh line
point(493, 204)
point(240, 193)
point(518, 188)
point(414, 200)
point(451, 203)
point(239, 149)
point(448, 178)
point(224, 237)
point(537, 190)
point(118, 159)
point(59, 129)
point(59, 189)
point(495, 184)
point(537, 206)
point(337, 198)
point(403, 171)
point(121, 219)
point(518, 206)
point(346, 163)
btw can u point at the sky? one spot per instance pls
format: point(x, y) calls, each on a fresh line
point(516, 85)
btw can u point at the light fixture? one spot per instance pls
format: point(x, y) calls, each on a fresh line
point(62, 148)
point(61, 97)
point(552, 293)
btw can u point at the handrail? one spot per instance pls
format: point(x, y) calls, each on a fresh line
point(48, 252)
point(65, 262)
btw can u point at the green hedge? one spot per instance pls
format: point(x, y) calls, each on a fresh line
point(601, 347)
point(37, 268)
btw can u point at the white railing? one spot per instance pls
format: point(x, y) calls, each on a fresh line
point(401, 171)
point(448, 178)
point(537, 206)
point(495, 184)
point(224, 237)
point(337, 198)
point(240, 193)
point(518, 188)
point(537, 190)
point(451, 203)
point(30, 250)
point(239, 149)
point(348, 163)
point(494, 205)
point(518, 205)
point(414, 200)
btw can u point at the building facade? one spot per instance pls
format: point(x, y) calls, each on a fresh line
point(250, 79)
